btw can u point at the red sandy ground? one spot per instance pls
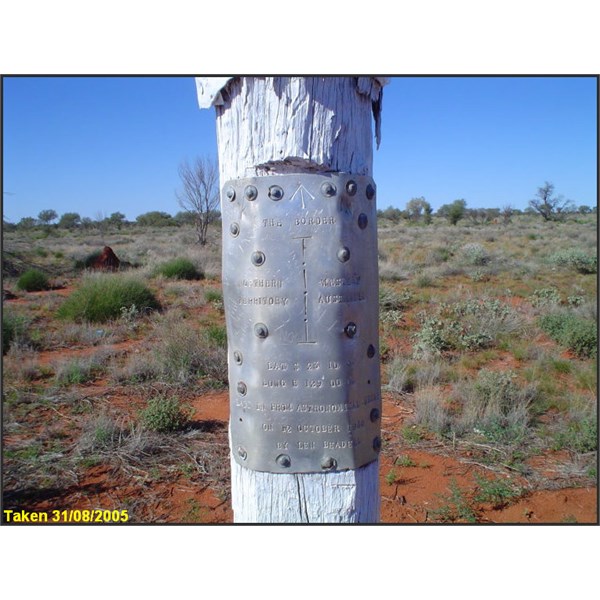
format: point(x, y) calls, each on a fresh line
point(410, 497)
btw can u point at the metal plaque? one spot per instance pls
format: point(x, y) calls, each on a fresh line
point(300, 288)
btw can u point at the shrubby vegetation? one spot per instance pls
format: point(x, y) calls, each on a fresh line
point(101, 297)
point(179, 268)
point(164, 415)
point(33, 281)
point(488, 342)
point(577, 334)
point(576, 259)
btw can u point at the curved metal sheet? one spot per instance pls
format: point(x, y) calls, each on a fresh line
point(300, 288)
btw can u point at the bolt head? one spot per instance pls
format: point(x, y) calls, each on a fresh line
point(237, 357)
point(251, 192)
point(261, 331)
point(371, 351)
point(242, 453)
point(343, 254)
point(370, 192)
point(230, 193)
point(242, 388)
point(377, 444)
point(283, 460)
point(258, 258)
point(328, 189)
point(328, 463)
point(234, 229)
point(375, 414)
point(363, 220)
point(275, 192)
point(351, 188)
point(350, 330)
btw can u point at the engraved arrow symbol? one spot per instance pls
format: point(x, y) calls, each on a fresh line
point(302, 191)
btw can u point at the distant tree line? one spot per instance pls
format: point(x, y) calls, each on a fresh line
point(545, 203)
point(116, 220)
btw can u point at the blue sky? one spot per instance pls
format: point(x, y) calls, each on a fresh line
point(99, 145)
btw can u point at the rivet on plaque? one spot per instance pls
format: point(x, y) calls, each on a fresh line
point(343, 254)
point(258, 258)
point(328, 189)
point(250, 192)
point(350, 330)
point(283, 460)
point(230, 193)
point(261, 331)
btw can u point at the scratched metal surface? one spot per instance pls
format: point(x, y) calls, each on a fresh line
point(300, 288)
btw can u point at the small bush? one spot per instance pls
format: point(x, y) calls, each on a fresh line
point(184, 354)
point(164, 415)
point(431, 411)
point(217, 334)
point(213, 296)
point(454, 507)
point(497, 492)
point(577, 334)
point(468, 325)
point(545, 297)
point(13, 329)
point(100, 434)
point(493, 405)
point(391, 300)
point(179, 268)
point(33, 281)
point(475, 254)
point(578, 436)
point(102, 297)
point(576, 259)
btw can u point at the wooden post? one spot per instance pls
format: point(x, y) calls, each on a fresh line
point(275, 126)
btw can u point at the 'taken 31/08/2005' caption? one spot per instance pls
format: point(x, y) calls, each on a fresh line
point(66, 516)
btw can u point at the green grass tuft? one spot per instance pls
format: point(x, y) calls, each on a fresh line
point(33, 281)
point(102, 297)
point(179, 268)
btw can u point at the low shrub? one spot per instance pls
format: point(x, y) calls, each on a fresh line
point(545, 297)
point(578, 436)
point(179, 268)
point(102, 297)
point(33, 281)
point(164, 415)
point(492, 405)
point(391, 300)
point(577, 334)
point(497, 492)
point(14, 328)
point(475, 254)
point(217, 335)
point(576, 259)
point(468, 325)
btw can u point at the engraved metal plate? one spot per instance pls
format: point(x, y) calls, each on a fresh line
point(300, 288)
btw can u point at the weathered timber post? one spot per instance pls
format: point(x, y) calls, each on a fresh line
point(300, 287)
